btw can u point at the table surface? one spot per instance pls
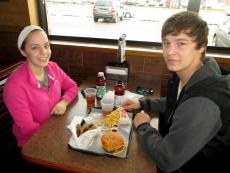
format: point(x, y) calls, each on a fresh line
point(49, 145)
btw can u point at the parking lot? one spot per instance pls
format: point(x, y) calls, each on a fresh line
point(77, 20)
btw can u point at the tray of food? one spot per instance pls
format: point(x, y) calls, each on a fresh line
point(108, 135)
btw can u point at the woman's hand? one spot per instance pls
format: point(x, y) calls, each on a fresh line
point(130, 105)
point(141, 118)
point(60, 107)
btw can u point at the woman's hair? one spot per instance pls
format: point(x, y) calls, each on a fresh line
point(24, 41)
point(24, 33)
point(189, 23)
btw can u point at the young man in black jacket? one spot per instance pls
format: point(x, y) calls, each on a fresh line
point(194, 133)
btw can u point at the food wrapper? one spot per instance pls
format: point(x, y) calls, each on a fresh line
point(85, 140)
point(125, 120)
point(132, 96)
point(128, 95)
point(124, 117)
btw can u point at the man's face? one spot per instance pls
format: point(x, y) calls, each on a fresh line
point(180, 52)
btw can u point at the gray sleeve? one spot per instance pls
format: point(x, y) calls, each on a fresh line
point(195, 122)
point(153, 105)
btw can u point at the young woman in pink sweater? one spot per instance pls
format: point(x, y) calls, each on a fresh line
point(39, 88)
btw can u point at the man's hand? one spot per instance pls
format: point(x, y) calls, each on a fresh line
point(60, 107)
point(130, 105)
point(141, 118)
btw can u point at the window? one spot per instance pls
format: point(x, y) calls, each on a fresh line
point(140, 20)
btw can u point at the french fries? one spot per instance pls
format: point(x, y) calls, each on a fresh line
point(112, 118)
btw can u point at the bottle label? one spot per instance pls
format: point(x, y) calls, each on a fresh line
point(101, 90)
point(118, 100)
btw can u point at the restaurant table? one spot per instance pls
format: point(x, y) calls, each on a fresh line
point(49, 145)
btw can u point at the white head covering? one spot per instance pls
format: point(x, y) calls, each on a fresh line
point(25, 32)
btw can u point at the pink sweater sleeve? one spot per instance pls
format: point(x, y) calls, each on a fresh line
point(17, 104)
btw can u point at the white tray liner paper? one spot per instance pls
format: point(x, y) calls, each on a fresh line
point(90, 141)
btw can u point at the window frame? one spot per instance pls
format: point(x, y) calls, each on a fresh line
point(44, 24)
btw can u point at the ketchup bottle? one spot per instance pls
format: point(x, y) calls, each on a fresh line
point(119, 93)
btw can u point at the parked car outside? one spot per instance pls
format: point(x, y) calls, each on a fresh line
point(221, 37)
point(213, 4)
point(184, 3)
point(132, 2)
point(153, 3)
point(143, 2)
point(227, 12)
point(108, 10)
point(162, 3)
point(59, 1)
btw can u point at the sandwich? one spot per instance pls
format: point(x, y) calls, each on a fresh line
point(112, 142)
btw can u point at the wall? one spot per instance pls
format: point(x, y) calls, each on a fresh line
point(16, 14)
point(82, 61)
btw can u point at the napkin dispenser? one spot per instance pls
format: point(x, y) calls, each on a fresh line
point(117, 71)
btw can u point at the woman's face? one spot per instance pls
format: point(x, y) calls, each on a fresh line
point(37, 49)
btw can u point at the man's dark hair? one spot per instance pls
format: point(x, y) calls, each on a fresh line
point(189, 23)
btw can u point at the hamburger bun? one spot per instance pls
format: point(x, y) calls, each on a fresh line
point(112, 142)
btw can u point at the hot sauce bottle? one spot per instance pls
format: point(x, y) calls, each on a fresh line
point(119, 93)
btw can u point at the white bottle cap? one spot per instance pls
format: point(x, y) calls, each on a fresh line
point(100, 73)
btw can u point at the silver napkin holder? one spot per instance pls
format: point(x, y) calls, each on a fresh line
point(116, 71)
